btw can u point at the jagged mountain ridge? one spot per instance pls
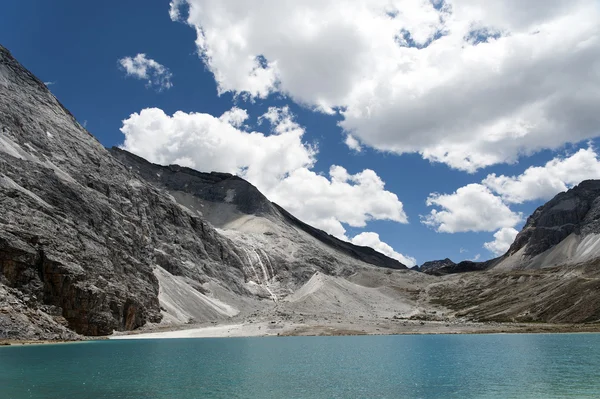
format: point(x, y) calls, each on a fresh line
point(88, 244)
point(446, 266)
point(215, 189)
point(565, 230)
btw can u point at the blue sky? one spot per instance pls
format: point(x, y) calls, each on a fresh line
point(416, 149)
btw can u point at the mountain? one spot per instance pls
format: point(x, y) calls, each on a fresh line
point(96, 243)
point(551, 273)
point(231, 203)
point(447, 266)
point(564, 231)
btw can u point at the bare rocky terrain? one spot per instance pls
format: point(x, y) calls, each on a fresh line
point(97, 242)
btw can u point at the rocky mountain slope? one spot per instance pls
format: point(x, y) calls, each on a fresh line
point(224, 199)
point(88, 244)
point(94, 241)
point(565, 230)
point(447, 266)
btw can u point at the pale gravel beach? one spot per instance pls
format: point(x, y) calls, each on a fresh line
point(266, 329)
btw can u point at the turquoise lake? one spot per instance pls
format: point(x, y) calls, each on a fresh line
point(417, 366)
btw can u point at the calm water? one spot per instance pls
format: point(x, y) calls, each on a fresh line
point(446, 366)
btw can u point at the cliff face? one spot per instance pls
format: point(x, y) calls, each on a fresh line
point(79, 232)
point(565, 230)
point(575, 211)
point(91, 244)
point(222, 198)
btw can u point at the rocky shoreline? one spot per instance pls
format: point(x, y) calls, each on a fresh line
point(326, 328)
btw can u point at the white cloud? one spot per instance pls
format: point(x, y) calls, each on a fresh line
point(503, 239)
point(141, 67)
point(49, 83)
point(471, 208)
point(370, 239)
point(470, 83)
point(174, 7)
point(352, 143)
point(544, 182)
point(278, 163)
point(207, 143)
point(484, 207)
point(327, 202)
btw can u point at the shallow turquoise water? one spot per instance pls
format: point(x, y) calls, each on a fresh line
point(443, 366)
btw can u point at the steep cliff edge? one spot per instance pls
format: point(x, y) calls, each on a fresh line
point(81, 235)
point(90, 245)
point(565, 230)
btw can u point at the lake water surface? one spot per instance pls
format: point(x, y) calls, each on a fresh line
point(418, 366)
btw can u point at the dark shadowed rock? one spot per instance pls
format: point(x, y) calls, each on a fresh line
point(446, 266)
point(575, 211)
point(433, 265)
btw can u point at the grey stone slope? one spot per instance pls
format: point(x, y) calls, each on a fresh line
point(80, 235)
point(565, 230)
point(365, 254)
point(225, 188)
point(90, 245)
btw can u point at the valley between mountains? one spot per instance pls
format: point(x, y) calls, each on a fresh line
point(99, 242)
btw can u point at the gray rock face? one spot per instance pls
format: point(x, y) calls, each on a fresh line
point(446, 266)
point(85, 240)
point(224, 188)
point(434, 265)
point(80, 232)
point(575, 211)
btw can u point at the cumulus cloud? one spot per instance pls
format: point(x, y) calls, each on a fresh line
point(469, 83)
point(206, 143)
point(156, 75)
point(470, 208)
point(370, 239)
point(278, 163)
point(485, 206)
point(544, 182)
point(327, 202)
point(503, 239)
point(352, 143)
